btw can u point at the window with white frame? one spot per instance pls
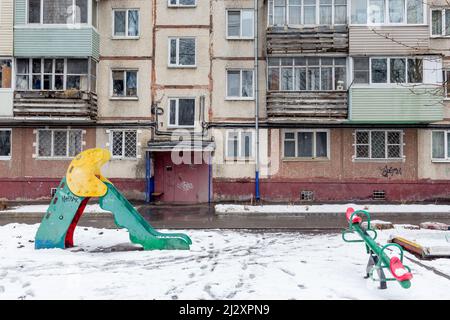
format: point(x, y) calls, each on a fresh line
point(5, 73)
point(309, 144)
point(59, 143)
point(240, 24)
point(126, 23)
point(181, 112)
point(378, 144)
point(306, 73)
point(58, 11)
point(124, 83)
point(239, 144)
point(387, 11)
point(378, 70)
point(240, 84)
point(5, 144)
point(446, 84)
point(55, 74)
point(440, 22)
point(440, 145)
point(182, 3)
point(307, 12)
point(182, 52)
point(123, 144)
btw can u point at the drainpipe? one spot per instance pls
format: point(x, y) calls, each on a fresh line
point(257, 196)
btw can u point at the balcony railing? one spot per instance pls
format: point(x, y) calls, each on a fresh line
point(57, 105)
point(320, 39)
point(288, 105)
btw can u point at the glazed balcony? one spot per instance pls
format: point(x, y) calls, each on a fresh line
point(307, 105)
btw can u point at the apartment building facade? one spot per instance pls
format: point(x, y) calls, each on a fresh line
point(281, 100)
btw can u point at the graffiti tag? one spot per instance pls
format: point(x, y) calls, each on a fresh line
point(69, 199)
point(390, 171)
point(185, 186)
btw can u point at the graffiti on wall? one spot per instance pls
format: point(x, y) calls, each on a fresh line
point(185, 186)
point(388, 172)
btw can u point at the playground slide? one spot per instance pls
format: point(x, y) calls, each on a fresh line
point(83, 181)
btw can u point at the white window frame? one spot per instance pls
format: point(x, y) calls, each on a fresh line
point(446, 82)
point(177, 108)
point(240, 134)
point(240, 37)
point(126, 36)
point(443, 27)
point(178, 5)
point(386, 16)
point(314, 157)
point(111, 145)
point(41, 18)
point(124, 97)
point(370, 159)
point(52, 147)
point(7, 158)
point(231, 98)
point(302, 18)
point(388, 78)
point(446, 156)
point(177, 64)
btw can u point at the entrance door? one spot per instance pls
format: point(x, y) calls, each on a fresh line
point(183, 183)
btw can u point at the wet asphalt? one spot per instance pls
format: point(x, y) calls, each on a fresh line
point(204, 217)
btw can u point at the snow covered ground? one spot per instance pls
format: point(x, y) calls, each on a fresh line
point(332, 208)
point(222, 264)
point(42, 208)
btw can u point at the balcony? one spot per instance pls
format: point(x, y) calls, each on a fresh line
point(320, 39)
point(69, 105)
point(309, 105)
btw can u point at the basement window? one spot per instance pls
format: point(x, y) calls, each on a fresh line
point(379, 195)
point(306, 195)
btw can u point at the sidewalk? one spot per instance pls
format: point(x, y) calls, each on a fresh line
point(205, 217)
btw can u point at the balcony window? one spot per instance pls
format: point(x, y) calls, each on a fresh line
point(306, 73)
point(239, 144)
point(182, 112)
point(59, 143)
point(58, 11)
point(307, 12)
point(54, 74)
point(126, 23)
point(240, 24)
point(387, 12)
point(124, 83)
point(182, 52)
point(5, 144)
point(387, 70)
point(307, 144)
point(5, 73)
point(123, 144)
point(440, 22)
point(378, 144)
point(240, 84)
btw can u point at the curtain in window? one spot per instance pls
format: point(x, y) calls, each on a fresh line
point(287, 79)
point(305, 144)
point(233, 83)
point(438, 144)
point(247, 83)
point(414, 11)
point(376, 11)
point(279, 12)
point(436, 21)
point(359, 11)
point(247, 23)
point(321, 144)
point(133, 23)
point(119, 23)
point(447, 22)
point(340, 11)
point(234, 21)
point(325, 16)
point(396, 11)
point(309, 11)
point(131, 83)
point(295, 11)
point(289, 144)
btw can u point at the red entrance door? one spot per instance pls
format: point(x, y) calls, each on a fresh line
point(180, 183)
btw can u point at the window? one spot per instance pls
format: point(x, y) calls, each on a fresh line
point(182, 52)
point(240, 84)
point(124, 83)
point(440, 22)
point(240, 24)
point(302, 73)
point(123, 144)
point(126, 23)
point(55, 74)
point(5, 73)
point(182, 3)
point(239, 144)
point(181, 112)
point(307, 12)
point(59, 143)
point(5, 144)
point(446, 78)
point(387, 12)
point(58, 11)
point(308, 144)
point(440, 145)
point(378, 144)
point(388, 70)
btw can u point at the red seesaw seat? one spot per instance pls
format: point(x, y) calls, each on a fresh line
point(355, 219)
point(398, 270)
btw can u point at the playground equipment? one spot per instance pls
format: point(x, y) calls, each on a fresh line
point(83, 181)
point(378, 259)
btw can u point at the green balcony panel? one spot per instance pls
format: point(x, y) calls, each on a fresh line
point(52, 41)
point(396, 105)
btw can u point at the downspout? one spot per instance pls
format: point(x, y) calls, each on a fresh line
point(257, 196)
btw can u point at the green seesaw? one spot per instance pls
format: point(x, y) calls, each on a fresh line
point(378, 259)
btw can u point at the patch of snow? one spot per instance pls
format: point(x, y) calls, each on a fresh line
point(222, 264)
point(42, 208)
